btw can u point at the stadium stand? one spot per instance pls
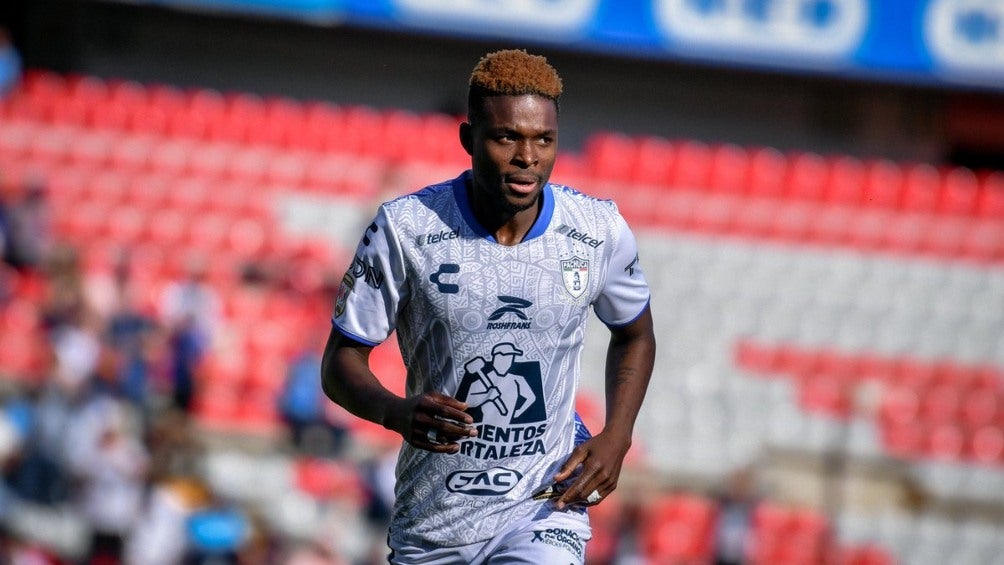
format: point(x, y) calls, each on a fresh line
point(814, 307)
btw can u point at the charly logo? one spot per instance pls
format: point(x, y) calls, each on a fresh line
point(512, 306)
point(488, 482)
point(575, 274)
point(441, 285)
point(569, 231)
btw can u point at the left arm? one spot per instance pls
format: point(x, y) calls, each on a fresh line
point(630, 359)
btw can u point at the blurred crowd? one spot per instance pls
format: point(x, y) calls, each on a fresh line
point(97, 423)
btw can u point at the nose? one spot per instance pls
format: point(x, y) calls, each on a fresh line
point(526, 154)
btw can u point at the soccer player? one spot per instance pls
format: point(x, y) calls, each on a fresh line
point(488, 279)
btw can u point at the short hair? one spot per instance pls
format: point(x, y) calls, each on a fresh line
point(512, 72)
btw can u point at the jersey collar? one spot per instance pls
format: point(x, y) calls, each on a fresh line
point(538, 228)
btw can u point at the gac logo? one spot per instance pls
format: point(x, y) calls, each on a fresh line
point(490, 482)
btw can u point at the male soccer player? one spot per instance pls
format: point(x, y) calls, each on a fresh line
point(488, 279)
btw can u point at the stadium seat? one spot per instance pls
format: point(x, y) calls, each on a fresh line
point(945, 442)
point(692, 165)
point(678, 529)
point(990, 202)
point(959, 192)
point(987, 445)
point(806, 176)
point(730, 169)
point(883, 184)
point(768, 168)
point(610, 156)
point(922, 188)
point(655, 158)
point(845, 182)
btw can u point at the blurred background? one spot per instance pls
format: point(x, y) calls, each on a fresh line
point(817, 187)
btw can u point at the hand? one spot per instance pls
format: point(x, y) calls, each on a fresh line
point(600, 458)
point(432, 415)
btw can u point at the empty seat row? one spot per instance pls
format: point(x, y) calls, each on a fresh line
point(207, 114)
point(766, 172)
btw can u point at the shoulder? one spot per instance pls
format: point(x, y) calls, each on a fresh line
point(433, 197)
point(568, 196)
point(599, 213)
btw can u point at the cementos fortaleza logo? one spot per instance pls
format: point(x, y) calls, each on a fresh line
point(566, 18)
point(966, 36)
point(821, 29)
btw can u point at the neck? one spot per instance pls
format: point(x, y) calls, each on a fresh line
point(507, 227)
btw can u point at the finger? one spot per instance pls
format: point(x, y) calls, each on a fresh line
point(433, 441)
point(450, 408)
point(451, 431)
point(577, 457)
point(580, 490)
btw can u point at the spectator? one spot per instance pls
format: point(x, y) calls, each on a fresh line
point(10, 63)
point(26, 225)
point(315, 428)
point(160, 535)
point(112, 471)
point(734, 529)
point(190, 310)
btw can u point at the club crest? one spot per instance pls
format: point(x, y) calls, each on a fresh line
point(575, 273)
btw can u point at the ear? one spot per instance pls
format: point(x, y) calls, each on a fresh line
point(467, 137)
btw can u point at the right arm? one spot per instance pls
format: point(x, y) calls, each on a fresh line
point(348, 381)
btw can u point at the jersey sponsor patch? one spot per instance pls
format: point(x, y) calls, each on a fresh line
point(563, 538)
point(344, 289)
point(483, 482)
point(575, 274)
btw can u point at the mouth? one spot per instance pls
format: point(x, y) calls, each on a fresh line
point(522, 184)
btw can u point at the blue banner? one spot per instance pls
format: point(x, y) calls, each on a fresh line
point(922, 41)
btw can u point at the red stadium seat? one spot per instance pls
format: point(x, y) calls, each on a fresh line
point(883, 184)
point(864, 555)
point(987, 445)
point(90, 90)
point(610, 156)
point(807, 176)
point(768, 167)
point(922, 188)
point(846, 181)
point(990, 202)
point(907, 233)
point(959, 192)
point(825, 394)
point(831, 225)
point(678, 529)
point(984, 241)
point(692, 166)
point(655, 158)
point(730, 169)
point(945, 442)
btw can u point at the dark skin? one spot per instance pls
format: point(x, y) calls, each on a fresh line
point(512, 141)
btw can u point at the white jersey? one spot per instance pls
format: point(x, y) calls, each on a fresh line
point(499, 327)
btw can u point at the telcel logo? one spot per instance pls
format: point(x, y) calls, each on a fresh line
point(490, 482)
point(821, 28)
point(577, 235)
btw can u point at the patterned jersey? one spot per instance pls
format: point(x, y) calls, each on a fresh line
point(498, 327)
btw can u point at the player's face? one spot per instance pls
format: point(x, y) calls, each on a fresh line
point(513, 144)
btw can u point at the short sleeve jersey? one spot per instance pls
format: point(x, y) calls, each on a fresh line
point(499, 327)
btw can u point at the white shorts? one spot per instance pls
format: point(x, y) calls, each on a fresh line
point(558, 538)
